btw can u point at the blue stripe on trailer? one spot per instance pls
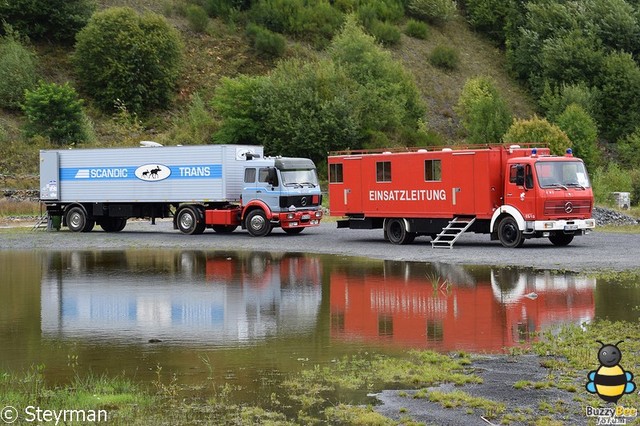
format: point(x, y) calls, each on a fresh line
point(190, 171)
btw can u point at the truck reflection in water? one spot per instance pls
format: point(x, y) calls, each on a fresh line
point(444, 307)
point(190, 297)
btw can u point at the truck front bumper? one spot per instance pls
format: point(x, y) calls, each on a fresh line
point(299, 219)
point(567, 226)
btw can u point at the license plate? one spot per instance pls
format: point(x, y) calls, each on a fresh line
point(305, 217)
point(571, 227)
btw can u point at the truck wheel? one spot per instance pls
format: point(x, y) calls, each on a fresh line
point(561, 239)
point(397, 232)
point(257, 223)
point(224, 229)
point(293, 231)
point(77, 220)
point(509, 234)
point(189, 221)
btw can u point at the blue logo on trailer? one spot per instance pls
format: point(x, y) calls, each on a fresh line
point(154, 172)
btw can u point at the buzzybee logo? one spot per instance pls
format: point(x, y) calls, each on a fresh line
point(610, 381)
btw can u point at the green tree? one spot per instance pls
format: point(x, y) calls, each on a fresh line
point(129, 58)
point(629, 150)
point(583, 133)
point(17, 70)
point(483, 111)
point(489, 16)
point(56, 20)
point(434, 11)
point(619, 96)
point(538, 130)
point(387, 99)
point(55, 112)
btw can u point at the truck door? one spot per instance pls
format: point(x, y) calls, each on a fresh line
point(268, 187)
point(463, 188)
point(350, 196)
point(519, 191)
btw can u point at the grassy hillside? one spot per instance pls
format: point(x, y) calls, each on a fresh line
point(224, 51)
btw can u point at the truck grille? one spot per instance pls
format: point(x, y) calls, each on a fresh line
point(567, 207)
point(301, 201)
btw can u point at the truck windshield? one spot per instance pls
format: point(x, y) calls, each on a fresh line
point(306, 177)
point(562, 174)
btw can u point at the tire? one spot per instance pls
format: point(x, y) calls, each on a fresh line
point(293, 231)
point(397, 232)
point(561, 239)
point(77, 220)
point(189, 221)
point(224, 229)
point(257, 223)
point(113, 224)
point(509, 234)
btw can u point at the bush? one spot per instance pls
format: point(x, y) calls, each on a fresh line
point(17, 71)
point(380, 10)
point(386, 33)
point(197, 18)
point(434, 11)
point(538, 130)
point(56, 20)
point(193, 126)
point(444, 57)
point(483, 112)
point(417, 29)
point(555, 101)
point(122, 56)
point(265, 42)
point(313, 20)
point(583, 133)
point(629, 150)
point(606, 180)
point(55, 112)
point(489, 17)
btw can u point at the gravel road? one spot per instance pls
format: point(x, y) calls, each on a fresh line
point(596, 251)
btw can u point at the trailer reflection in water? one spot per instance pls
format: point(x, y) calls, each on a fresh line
point(446, 307)
point(195, 298)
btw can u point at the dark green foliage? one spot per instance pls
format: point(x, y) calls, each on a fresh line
point(55, 20)
point(434, 11)
point(265, 42)
point(197, 18)
point(444, 57)
point(17, 70)
point(619, 96)
point(55, 112)
point(629, 150)
point(128, 58)
point(417, 29)
point(379, 10)
point(313, 20)
point(224, 8)
point(555, 101)
point(614, 22)
point(386, 33)
point(483, 111)
point(489, 16)
point(583, 133)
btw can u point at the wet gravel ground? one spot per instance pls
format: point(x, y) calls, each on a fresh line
point(595, 251)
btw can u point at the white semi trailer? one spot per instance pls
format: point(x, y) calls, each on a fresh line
point(210, 186)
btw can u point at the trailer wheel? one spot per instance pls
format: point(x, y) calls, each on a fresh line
point(189, 221)
point(113, 224)
point(224, 229)
point(257, 223)
point(77, 220)
point(561, 239)
point(509, 234)
point(397, 232)
point(293, 231)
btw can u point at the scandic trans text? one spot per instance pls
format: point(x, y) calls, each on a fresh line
point(408, 195)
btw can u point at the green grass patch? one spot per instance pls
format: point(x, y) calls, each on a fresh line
point(490, 409)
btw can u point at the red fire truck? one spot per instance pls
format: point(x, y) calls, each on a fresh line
point(510, 192)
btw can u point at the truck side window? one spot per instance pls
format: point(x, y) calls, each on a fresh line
point(383, 171)
point(268, 175)
point(335, 173)
point(513, 173)
point(249, 175)
point(432, 170)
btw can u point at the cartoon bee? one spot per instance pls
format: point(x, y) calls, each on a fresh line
point(610, 381)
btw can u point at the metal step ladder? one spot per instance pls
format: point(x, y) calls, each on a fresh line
point(42, 222)
point(450, 233)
